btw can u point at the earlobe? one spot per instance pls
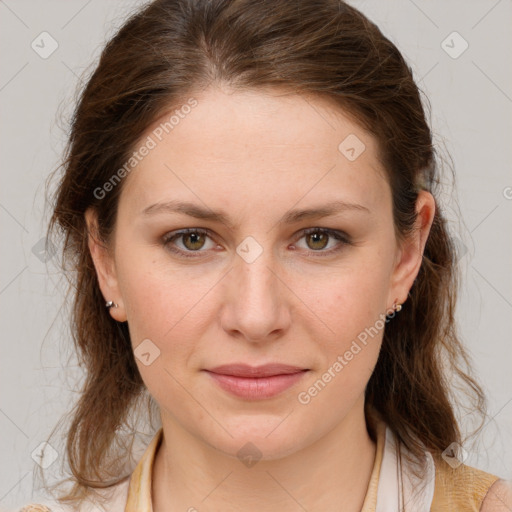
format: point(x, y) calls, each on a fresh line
point(105, 268)
point(413, 247)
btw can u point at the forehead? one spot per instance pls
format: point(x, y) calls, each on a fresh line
point(257, 146)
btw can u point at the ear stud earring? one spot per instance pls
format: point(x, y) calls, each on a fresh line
point(110, 304)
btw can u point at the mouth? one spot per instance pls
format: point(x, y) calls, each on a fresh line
point(256, 382)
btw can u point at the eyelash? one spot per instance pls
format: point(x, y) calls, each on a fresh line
point(338, 235)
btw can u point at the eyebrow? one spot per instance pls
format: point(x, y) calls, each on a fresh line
point(291, 217)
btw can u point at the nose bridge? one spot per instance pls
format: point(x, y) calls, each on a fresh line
point(256, 308)
point(255, 280)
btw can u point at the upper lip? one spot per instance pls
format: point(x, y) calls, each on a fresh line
point(245, 370)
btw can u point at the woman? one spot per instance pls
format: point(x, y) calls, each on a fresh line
point(249, 205)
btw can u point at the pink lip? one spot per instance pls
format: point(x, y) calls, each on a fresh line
point(256, 382)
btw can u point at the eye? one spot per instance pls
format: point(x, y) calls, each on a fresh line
point(318, 239)
point(192, 239)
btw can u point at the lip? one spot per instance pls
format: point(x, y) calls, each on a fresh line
point(256, 382)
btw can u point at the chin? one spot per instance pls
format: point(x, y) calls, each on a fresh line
point(265, 438)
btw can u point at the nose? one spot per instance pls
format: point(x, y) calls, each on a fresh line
point(256, 308)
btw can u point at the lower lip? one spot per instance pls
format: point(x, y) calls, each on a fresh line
point(256, 388)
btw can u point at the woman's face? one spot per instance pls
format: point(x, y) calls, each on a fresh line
point(272, 283)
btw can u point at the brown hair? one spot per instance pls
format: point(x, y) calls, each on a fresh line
point(324, 47)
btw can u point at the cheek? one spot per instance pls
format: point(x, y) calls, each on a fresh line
point(350, 300)
point(151, 313)
point(353, 308)
point(166, 323)
point(157, 296)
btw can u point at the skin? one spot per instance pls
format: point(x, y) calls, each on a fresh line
point(498, 497)
point(256, 155)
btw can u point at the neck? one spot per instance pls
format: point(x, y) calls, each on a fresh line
point(331, 474)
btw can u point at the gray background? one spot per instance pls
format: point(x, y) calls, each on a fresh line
point(471, 101)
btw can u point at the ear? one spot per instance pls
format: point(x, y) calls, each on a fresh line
point(410, 253)
point(103, 261)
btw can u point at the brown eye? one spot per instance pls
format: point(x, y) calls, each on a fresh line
point(317, 240)
point(193, 241)
point(324, 241)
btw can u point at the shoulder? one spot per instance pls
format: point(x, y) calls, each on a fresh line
point(464, 488)
point(498, 498)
